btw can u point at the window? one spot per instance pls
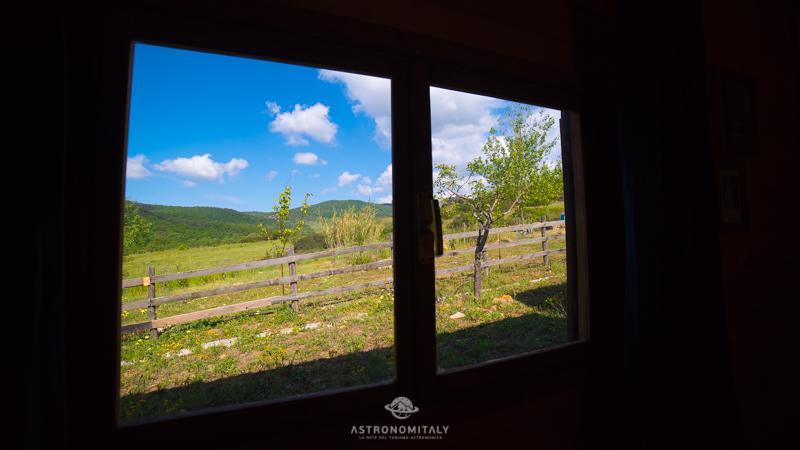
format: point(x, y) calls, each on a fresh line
point(238, 289)
point(257, 232)
point(501, 284)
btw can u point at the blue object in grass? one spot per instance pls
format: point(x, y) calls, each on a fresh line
point(562, 216)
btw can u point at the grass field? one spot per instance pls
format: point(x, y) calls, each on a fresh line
point(331, 342)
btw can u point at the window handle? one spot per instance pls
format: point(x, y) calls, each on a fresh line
point(437, 232)
point(430, 242)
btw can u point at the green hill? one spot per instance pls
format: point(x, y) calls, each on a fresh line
point(198, 226)
point(325, 209)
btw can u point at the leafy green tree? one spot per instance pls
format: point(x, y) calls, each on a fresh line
point(510, 172)
point(136, 229)
point(287, 234)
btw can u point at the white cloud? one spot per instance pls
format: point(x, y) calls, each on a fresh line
point(371, 96)
point(135, 168)
point(202, 167)
point(554, 133)
point(273, 108)
point(303, 122)
point(271, 175)
point(295, 141)
point(328, 189)
point(347, 178)
point(385, 199)
point(367, 189)
point(189, 184)
point(308, 159)
point(450, 107)
point(459, 125)
point(385, 179)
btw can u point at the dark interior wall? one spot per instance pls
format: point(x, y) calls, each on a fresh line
point(675, 367)
point(33, 371)
point(667, 286)
point(760, 40)
point(507, 28)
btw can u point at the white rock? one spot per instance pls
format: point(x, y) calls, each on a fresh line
point(458, 315)
point(262, 334)
point(182, 352)
point(311, 326)
point(287, 331)
point(225, 342)
point(540, 279)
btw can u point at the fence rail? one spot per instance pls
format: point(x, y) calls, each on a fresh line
point(152, 302)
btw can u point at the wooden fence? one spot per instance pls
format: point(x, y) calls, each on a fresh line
point(152, 302)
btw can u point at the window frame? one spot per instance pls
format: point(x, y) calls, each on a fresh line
point(415, 332)
point(455, 381)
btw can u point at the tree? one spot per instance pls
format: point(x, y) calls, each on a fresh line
point(136, 229)
point(510, 172)
point(287, 235)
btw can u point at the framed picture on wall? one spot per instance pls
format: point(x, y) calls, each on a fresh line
point(731, 193)
point(738, 114)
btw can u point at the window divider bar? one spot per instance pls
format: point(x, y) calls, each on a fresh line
point(415, 323)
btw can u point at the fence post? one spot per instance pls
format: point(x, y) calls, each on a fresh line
point(151, 296)
point(499, 250)
point(292, 273)
point(484, 256)
point(545, 258)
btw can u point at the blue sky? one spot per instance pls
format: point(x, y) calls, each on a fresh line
point(223, 131)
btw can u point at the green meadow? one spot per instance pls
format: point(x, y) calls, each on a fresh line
point(331, 342)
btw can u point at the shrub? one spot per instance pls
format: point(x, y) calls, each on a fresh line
point(310, 242)
point(351, 228)
point(257, 237)
point(360, 258)
point(551, 212)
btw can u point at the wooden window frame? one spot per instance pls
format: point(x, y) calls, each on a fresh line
point(412, 75)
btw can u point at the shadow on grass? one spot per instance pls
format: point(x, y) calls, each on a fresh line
point(466, 346)
point(508, 336)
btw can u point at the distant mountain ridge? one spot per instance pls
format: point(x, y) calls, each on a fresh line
point(196, 226)
point(326, 209)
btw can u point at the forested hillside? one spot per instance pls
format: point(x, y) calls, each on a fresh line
point(198, 226)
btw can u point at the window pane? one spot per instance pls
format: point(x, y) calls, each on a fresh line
point(501, 284)
point(257, 239)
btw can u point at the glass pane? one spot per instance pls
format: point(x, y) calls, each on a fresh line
point(501, 284)
point(257, 232)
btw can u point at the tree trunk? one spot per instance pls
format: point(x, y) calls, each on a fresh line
point(483, 235)
point(476, 277)
point(283, 287)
